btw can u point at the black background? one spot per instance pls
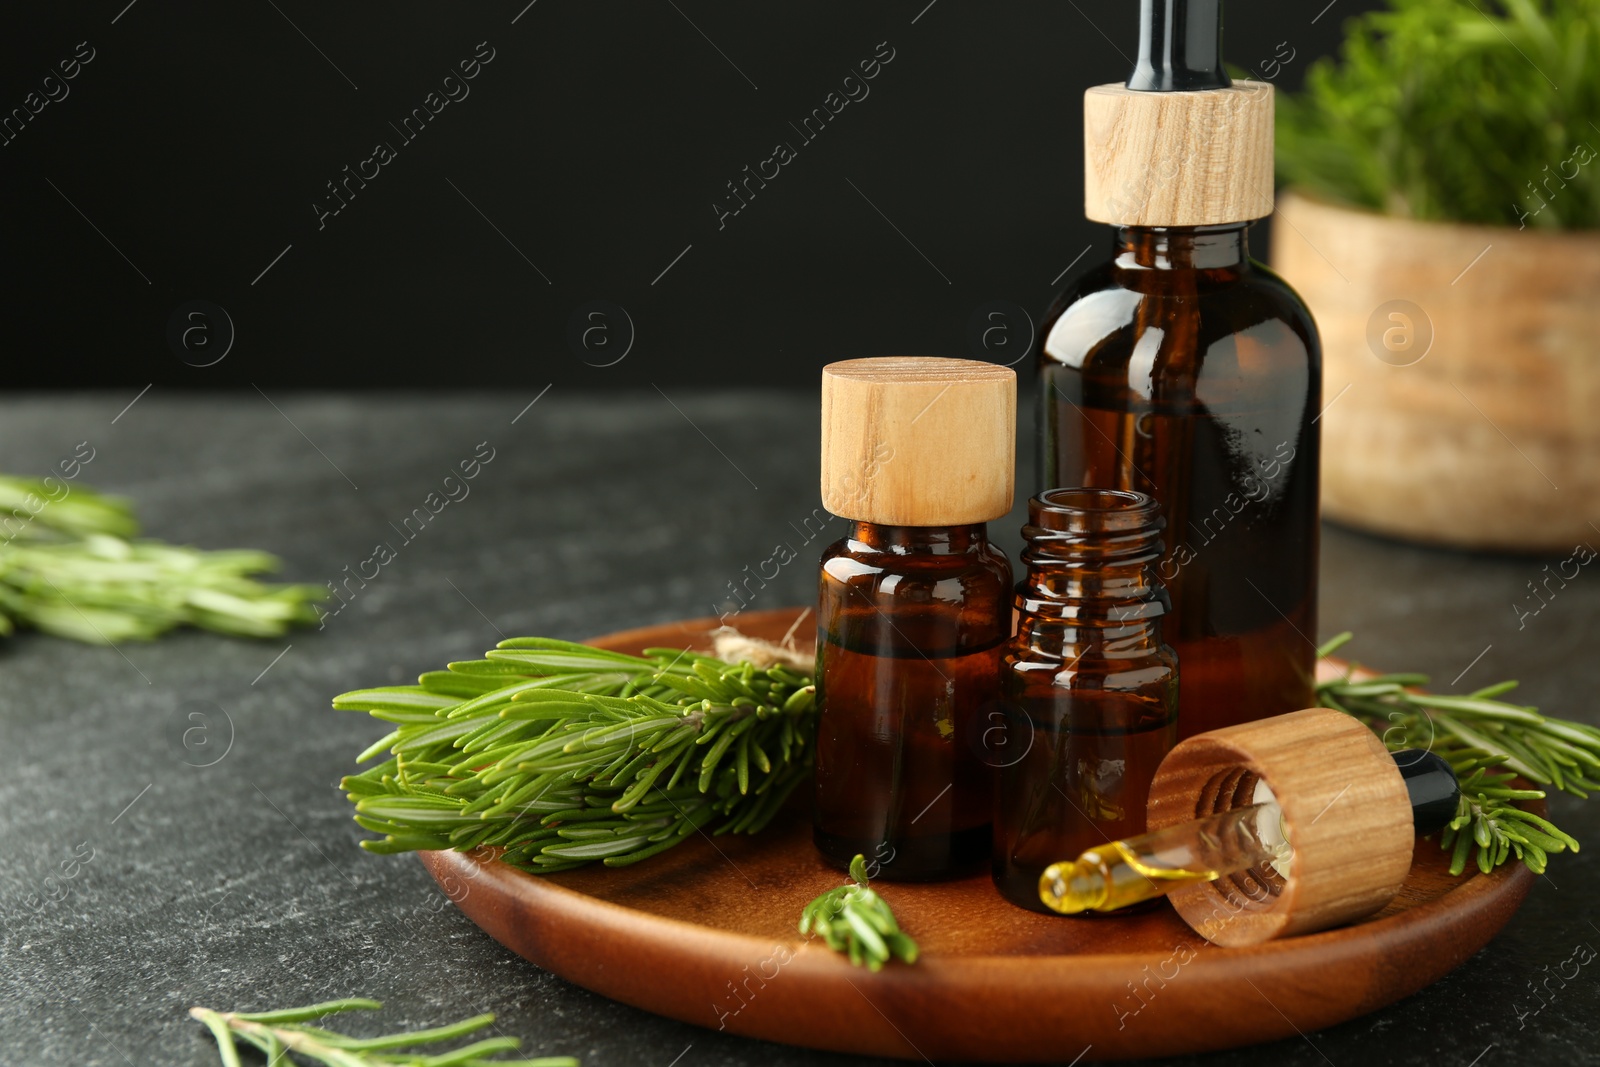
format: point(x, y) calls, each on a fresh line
point(199, 137)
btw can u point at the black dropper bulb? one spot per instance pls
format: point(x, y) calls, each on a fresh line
point(1180, 47)
point(1432, 786)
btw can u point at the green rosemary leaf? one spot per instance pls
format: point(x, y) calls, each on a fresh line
point(1489, 692)
point(219, 1031)
point(504, 691)
point(903, 947)
point(485, 666)
point(413, 809)
point(1458, 856)
point(1550, 828)
point(1498, 742)
point(1579, 733)
point(595, 850)
point(1334, 644)
point(394, 698)
point(415, 1037)
point(463, 686)
point(871, 943)
point(310, 1011)
point(1489, 710)
point(560, 657)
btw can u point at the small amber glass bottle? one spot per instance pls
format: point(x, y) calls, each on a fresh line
point(913, 610)
point(1091, 692)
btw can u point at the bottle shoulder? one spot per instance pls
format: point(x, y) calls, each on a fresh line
point(915, 606)
point(1254, 277)
point(851, 561)
point(1107, 310)
point(1277, 293)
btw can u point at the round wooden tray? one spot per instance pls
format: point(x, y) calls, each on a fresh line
point(706, 933)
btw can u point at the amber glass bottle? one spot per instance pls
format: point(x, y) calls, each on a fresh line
point(1091, 691)
point(1185, 370)
point(913, 611)
point(903, 667)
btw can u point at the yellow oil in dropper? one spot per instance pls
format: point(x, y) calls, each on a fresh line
point(1126, 872)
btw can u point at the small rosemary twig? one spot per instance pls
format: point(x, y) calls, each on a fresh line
point(278, 1034)
point(855, 920)
point(1488, 743)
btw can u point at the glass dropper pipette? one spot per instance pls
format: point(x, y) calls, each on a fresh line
point(1120, 873)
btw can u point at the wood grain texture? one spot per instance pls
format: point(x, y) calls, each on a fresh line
point(1178, 159)
point(1346, 814)
point(1489, 438)
point(918, 441)
point(705, 933)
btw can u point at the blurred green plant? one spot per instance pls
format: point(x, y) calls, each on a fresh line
point(1478, 111)
point(68, 568)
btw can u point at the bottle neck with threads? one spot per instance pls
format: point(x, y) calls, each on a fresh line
point(1091, 586)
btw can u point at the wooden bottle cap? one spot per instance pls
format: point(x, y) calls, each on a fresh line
point(918, 441)
point(1177, 159)
point(1346, 814)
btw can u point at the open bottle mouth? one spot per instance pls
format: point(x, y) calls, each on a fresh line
point(1105, 525)
point(1083, 498)
point(1082, 509)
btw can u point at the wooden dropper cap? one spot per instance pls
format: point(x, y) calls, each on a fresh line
point(1347, 816)
point(918, 441)
point(1179, 144)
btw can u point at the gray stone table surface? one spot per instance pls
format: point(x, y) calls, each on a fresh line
point(239, 884)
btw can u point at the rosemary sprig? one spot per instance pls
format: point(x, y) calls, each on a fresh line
point(66, 568)
point(1488, 743)
point(282, 1034)
point(560, 754)
point(855, 920)
point(104, 590)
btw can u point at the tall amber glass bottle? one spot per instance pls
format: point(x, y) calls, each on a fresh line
point(913, 610)
point(1091, 691)
point(1185, 370)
